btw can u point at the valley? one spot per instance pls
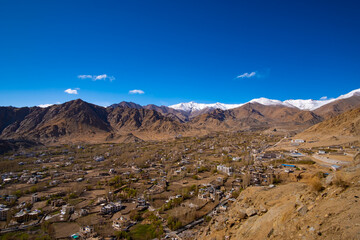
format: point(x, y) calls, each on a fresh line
point(81, 171)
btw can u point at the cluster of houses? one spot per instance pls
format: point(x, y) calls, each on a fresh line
point(209, 192)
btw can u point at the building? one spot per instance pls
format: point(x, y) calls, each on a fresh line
point(335, 167)
point(58, 203)
point(111, 207)
point(99, 158)
point(3, 212)
point(32, 180)
point(224, 169)
point(67, 209)
point(25, 215)
point(269, 155)
point(122, 223)
point(34, 198)
point(86, 229)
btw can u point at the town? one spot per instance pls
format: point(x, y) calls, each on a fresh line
point(145, 190)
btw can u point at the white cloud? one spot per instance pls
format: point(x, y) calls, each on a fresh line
point(84, 76)
point(97, 77)
point(247, 75)
point(72, 91)
point(136, 91)
point(100, 77)
point(323, 98)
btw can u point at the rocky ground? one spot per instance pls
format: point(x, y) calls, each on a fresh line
point(320, 208)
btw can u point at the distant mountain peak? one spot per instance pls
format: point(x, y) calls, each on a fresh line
point(126, 105)
point(303, 104)
point(193, 106)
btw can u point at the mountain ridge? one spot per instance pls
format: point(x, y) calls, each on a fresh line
point(303, 104)
point(78, 120)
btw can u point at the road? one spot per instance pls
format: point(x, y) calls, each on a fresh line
point(325, 161)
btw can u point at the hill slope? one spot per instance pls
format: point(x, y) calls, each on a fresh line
point(256, 116)
point(77, 121)
point(337, 107)
point(343, 127)
point(292, 211)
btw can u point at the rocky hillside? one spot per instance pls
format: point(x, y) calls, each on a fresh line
point(343, 126)
point(256, 116)
point(78, 121)
point(337, 107)
point(298, 210)
point(81, 121)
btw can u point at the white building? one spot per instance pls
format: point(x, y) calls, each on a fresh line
point(99, 158)
point(224, 169)
point(111, 207)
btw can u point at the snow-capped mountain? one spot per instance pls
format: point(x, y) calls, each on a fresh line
point(193, 106)
point(303, 104)
point(307, 104)
point(266, 101)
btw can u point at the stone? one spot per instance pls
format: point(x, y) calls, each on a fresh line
point(262, 208)
point(251, 211)
point(302, 210)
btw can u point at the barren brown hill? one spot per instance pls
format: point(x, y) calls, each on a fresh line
point(78, 121)
point(178, 115)
point(343, 126)
point(81, 121)
point(126, 105)
point(144, 122)
point(339, 106)
point(9, 115)
point(74, 119)
point(256, 116)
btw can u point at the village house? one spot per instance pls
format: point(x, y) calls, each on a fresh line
point(122, 223)
point(57, 203)
point(67, 209)
point(99, 158)
point(207, 193)
point(25, 215)
point(224, 169)
point(85, 230)
point(111, 207)
point(34, 198)
point(3, 212)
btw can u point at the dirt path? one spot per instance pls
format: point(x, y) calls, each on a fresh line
point(328, 161)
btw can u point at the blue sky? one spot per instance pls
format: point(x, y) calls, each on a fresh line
point(177, 51)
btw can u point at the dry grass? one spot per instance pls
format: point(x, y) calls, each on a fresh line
point(340, 181)
point(315, 184)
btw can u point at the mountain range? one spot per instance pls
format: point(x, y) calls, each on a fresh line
point(79, 121)
point(308, 104)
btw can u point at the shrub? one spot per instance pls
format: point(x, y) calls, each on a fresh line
point(196, 177)
point(315, 184)
point(340, 182)
point(173, 223)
